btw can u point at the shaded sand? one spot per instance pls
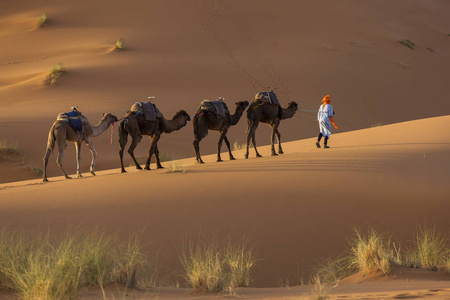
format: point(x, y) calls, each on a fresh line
point(185, 51)
point(297, 207)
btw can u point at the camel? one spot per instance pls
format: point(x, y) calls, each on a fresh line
point(260, 111)
point(61, 132)
point(210, 121)
point(136, 126)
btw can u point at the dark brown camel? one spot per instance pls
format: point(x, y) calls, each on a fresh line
point(204, 121)
point(62, 132)
point(265, 112)
point(136, 126)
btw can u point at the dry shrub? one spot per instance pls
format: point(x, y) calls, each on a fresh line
point(430, 248)
point(319, 291)
point(372, 252)
point(55, 73)
point(212, 266)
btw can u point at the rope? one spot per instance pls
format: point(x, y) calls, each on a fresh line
point(112, 131)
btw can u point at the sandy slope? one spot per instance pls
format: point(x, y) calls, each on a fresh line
point(297, 207)
point(186, 51)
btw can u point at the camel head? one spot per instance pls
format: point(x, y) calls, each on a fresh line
point(293, 104)
point(110, 118)
point(243, 104)
point(182, 114)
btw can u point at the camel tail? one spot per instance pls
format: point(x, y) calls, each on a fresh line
point(51, 139)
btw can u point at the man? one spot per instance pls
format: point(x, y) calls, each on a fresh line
point(325, 116)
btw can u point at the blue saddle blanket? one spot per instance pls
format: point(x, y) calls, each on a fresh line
point(75, 120)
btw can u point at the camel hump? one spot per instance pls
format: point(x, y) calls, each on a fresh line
point(269, 97)
point(216, 106)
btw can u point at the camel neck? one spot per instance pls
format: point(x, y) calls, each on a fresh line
point(173, 125)
point(237, 115)
point(100, 127)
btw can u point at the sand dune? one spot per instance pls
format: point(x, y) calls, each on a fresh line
point(298, 206)
point(186, 51)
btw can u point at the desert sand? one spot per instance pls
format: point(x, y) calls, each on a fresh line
point(388, 165)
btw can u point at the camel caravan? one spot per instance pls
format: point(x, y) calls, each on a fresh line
point(144, 118)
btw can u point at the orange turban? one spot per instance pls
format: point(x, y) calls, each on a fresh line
point(326, 99)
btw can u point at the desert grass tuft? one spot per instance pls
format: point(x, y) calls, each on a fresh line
point(238, 146)
point(372, 252)
point(55, 73)
point(240, 257)
point(41, 266)
point(430, 248)
point(8, 149)
point(408, 44)
point(35, 170)
point(42, 21)
point(175, 167)
point(319, 290)
point(334, 268)
point(120, 44)
point(212, 266)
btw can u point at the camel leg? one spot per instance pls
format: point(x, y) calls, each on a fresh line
point(229, 149)
point(90, 144)
point(152, 150)
point(272, 139)
point(47, 155)
point(134, 142)
point(250, 131)
point(222, 136)
point(123, 139)
point(61, 147)
point(254, 146)
point(158, 162)
point(78, 153)
point(280, 151)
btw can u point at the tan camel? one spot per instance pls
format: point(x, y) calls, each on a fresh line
point(61, 132)
point(260, 111)
point(136, 126)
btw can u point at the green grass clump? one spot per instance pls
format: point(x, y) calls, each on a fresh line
point(42, 21)
point(55, 73)
point(430, 248)
point(120, 44)
point(212, 266)
point(372, 252)
point(408, 44)
point(42, 266)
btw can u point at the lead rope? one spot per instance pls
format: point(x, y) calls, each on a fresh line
point(112, 131)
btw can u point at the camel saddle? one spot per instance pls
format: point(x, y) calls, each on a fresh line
point(269, 97)
point(218, 107)
point(75, 119)
point(148, 109)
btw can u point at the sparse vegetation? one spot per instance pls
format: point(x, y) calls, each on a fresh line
point(212, 266)
point(175, 167)
point(8, 149)
point(372, 252)
point(36, 170)
point(377, 125)
point(408, 44)
point(42, 21)
point(237, 146)
point(334, 268)
point(430, 248)
point(41, 266)
point(319, 291)
point(120, 44)
point(429, 49)
point(55, 73)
